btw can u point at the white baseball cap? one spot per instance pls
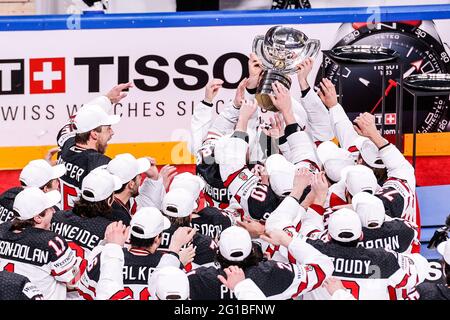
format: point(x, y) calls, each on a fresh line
point(92, 116)
point(359, 178)
point(344, 225)
point(370, 210)
point(369, 152)
point(148, 222)
point(444, 249)
point(32, 201)
point(127, 167)
point(228, 150)
point(334, 159)
point(99, 185)
point(281, 174)
point(179, 203)
point(189, 182)
point(37, 173)
point(169, 283)
point(235, 244)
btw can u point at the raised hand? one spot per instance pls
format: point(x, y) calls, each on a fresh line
point(187, 254)
point(181, 237)
point(116, 93)
point(277, 126)
point(211, 89)
point(319, 186)
point(49, 155)
point(117, 233)
point(255, 69)
point(240, 93)
point(277, 237)
point(327, 93)
point(234, 276)
point(281, 98)
point(254, 228)
point(167, 174)
point(365, 126)
point(303, 71)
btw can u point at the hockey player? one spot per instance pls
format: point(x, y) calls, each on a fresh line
point(142, 257)
point(391, 168)
point(275, 279)
point(128, 169)
point(29, 248)
point(83, 142)
point(370, 274)
point(84, 226)
point(178, 207)
point(210, 221)
point(14, 286)
point(37, 173)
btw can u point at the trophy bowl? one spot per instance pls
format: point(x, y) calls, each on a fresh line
point(280, 50)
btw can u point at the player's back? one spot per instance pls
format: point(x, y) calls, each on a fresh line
point(14, 286)
point(6, 203)
point(396, 235)
point(139, 264)
point(211, 221)
point(79, 162)
point(205, 251)
point(367, 273)
point(83, 234)
point(33, 253)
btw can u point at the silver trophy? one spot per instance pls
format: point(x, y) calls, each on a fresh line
point(280, 51)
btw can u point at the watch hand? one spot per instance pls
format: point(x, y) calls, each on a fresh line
point(415, 67)
point(392, 84)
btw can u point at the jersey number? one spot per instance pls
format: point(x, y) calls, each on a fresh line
point(259, 193)
point(68, 191)
point(59, 248)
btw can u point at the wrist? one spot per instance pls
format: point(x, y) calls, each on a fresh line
point(303, 84)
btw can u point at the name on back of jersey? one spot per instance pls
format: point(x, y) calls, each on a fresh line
point(21, 252)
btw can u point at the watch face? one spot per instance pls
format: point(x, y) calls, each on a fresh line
point(419, 52)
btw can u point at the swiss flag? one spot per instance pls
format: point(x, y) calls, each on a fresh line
point(390, 118)
point(47, 75)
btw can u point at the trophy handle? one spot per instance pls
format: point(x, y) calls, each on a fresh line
point(313, 48)
point(258, 49)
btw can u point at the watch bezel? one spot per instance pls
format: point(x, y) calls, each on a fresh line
point(380, 54)
point(419, 81)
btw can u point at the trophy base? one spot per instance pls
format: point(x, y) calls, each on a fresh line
point(265, 88)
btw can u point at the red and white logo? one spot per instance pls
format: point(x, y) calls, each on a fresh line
point(390, 118)
point(47, 75)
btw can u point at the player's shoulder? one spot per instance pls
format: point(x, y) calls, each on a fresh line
point(9, 195)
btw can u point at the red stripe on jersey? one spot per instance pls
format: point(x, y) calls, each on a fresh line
point(125, 294)
point(353, 149)
point(298, 227)
point(317, 208)
point(417, 215)
point(291, 258)
point(230, 179)
point(335, 200)
point(85, 296)
point(188, 267)
point(415, 248)
point(302, 286)
point(320, 275)
point(403, 282)
point(392, 293)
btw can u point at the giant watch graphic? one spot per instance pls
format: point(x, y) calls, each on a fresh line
point(421, 52)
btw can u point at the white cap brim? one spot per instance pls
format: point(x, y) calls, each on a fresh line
point(166, 223)
point(327, 150)
point(117, 182)
point(143, 165)
point(110, 120)
point(52, 198)
point(58, 171)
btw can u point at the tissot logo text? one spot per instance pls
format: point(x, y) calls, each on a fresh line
point(12, 76)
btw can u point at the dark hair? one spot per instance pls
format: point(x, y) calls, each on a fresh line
point(48, 184)
point(88, 209)
point(138, 242)
point(254, 258)
point(380, 173)
point(180, 222)
point(18, 224)
point(83, 138)
point(122, 188)
point(353, 243)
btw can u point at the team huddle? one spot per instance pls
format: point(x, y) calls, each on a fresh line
point(296, 204)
